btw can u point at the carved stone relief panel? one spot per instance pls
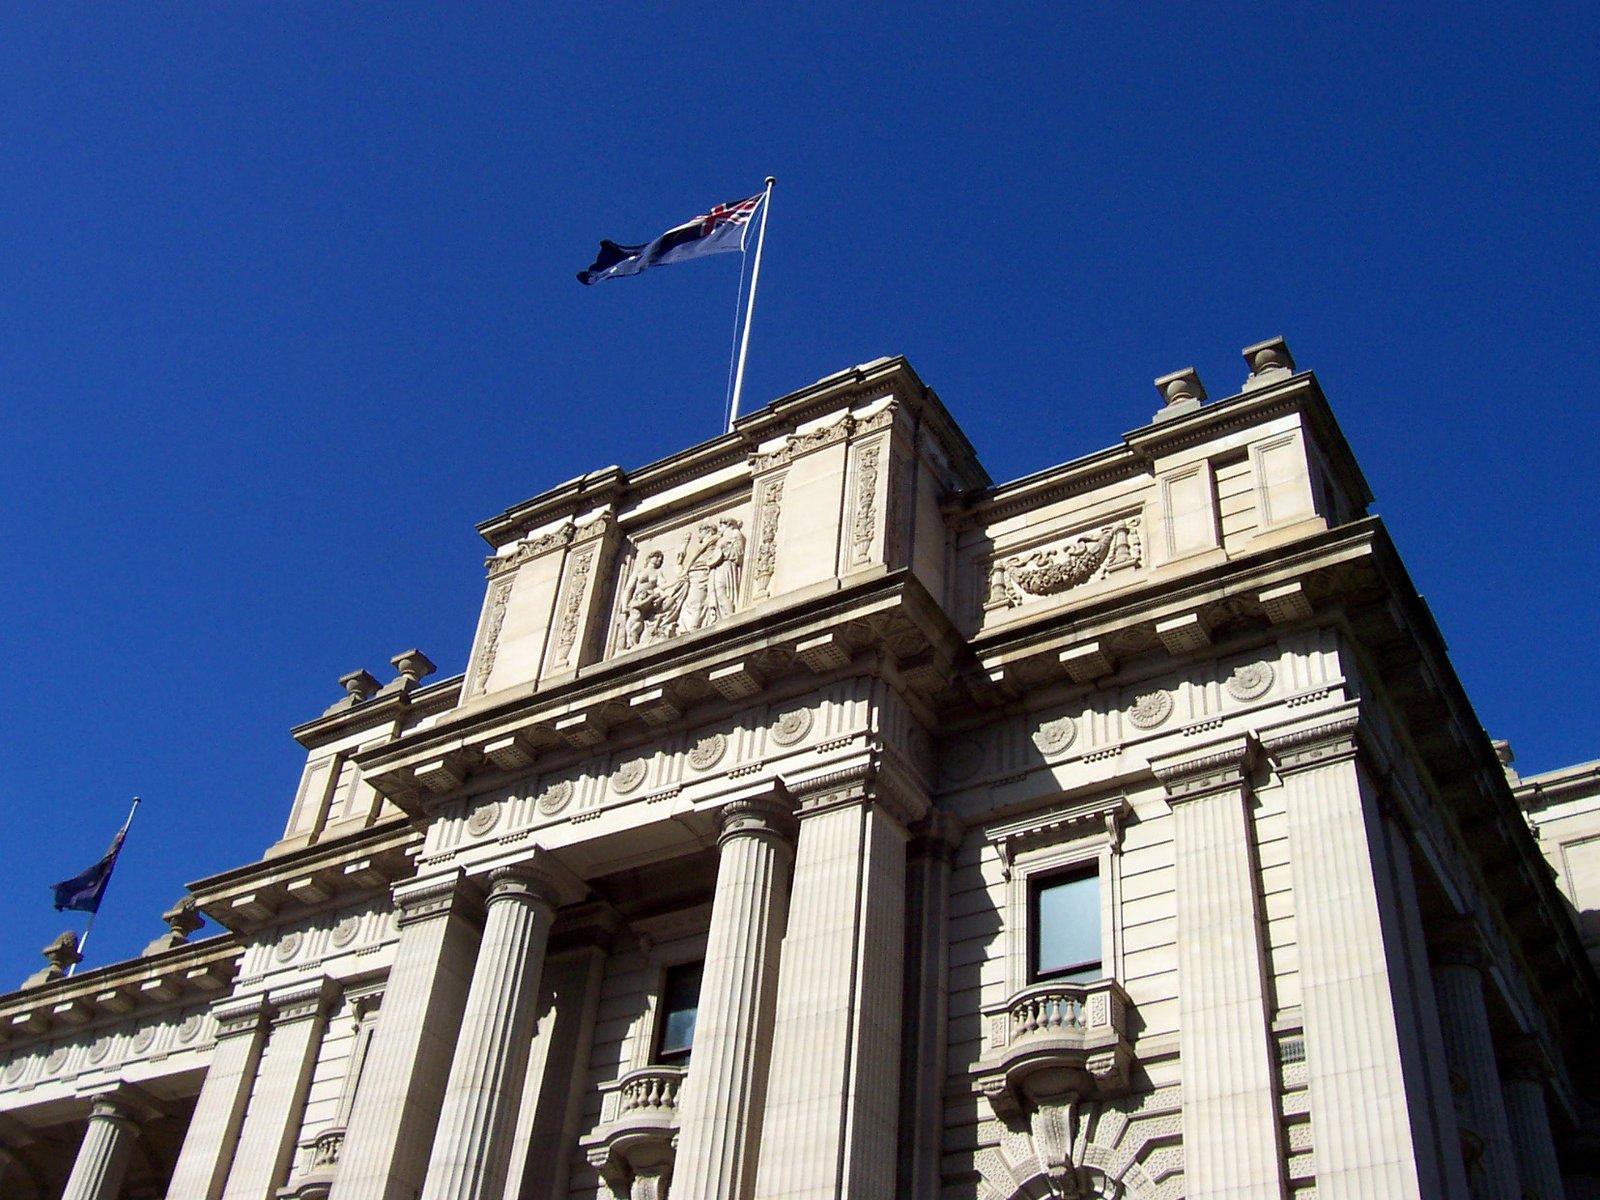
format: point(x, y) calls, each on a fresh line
point(1064, 564)
point(690, 575)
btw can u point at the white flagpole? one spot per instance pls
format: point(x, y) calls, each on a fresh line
point(84, 940)
point(755, 274)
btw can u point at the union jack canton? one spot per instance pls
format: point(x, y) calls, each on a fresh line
point(720, 231)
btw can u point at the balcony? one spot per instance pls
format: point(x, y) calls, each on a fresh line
point(1055, 1042)
point(632, 1145)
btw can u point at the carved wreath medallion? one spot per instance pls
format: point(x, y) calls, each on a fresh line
point(15, 1069)
point(144, 1039)
point(708, 751)
point(1250, 681)
point(628, 776)
point(1053, 737)
point(962, 758)
point(1150, 709)
point(345, 931)
point(792, 726)
point(484, 816)
point(288, 946)
point(555, 797)
point(190, 1029)
point(57, 1060)
point(99, 1049)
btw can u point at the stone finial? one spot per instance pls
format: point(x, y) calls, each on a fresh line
point(61, 955)
point(1269, 362)
point(359, 686)
point(1183, 393)
point(182, 919)
point(1503, 751)
point(413, 667)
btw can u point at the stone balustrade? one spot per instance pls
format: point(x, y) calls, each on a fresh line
point(1054, 1039)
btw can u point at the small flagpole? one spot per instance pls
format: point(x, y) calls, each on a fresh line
point(84, 940)
point(755, 275)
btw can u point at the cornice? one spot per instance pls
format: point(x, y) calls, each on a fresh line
point(280, 889)
point(182, 975)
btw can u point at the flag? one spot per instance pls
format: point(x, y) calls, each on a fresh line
point(720, 231)
point(82, 892)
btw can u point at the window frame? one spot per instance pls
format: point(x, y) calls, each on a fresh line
point(1038, 881)
point(658, 1033)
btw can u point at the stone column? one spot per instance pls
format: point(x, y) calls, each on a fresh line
point(1369, 1095)
point(477, 1118)
point(272, 1122)
point(104, 1152)
point(1529, 1118)
point(1231, 1129)
point(385, 1151)
point(832, 1105)
point(926, 1006)
point(720, 1110)
point(207, 1153)
point(1469, 1047)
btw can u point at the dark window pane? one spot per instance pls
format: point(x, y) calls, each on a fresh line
point(1066, 925)
point(680, 1004)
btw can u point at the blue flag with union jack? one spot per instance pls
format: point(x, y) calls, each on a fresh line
point(720, 231)
point(83, 891)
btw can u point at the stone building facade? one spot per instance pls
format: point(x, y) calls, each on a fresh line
point(816, 818)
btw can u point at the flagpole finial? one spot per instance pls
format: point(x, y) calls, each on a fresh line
point(771, 179)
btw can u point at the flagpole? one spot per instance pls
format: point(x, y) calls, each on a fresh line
point(755, 275)
point(84, 940)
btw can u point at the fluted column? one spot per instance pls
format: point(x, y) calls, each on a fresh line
point(272, 1122)
point(1232, 1143)
point(720, 1111)
point(832, 1098)
point(208, 1146)
point(1367, 1067)
point(1469, 1046)
point(104, 1152)
point(385, 1151)
point(1531, 1139)
point(477, 1118)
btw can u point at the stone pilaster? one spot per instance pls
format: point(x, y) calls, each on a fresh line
point(832, 1104)
point(477, 1118)
point(208, 1146)
point(720, 1111)
point(926, 1011)
point(272, 1121)
point(1531, 1139)
point(1232, 1145)
point(385, 1152)
point(1469, 1047)
point(1369, 1102)
point(104, 1152)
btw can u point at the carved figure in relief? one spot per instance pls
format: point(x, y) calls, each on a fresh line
point(710, 570)
point(730, 561)
point(696, 605)
point(645, 601)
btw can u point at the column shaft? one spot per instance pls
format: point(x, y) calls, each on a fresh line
point(1369, 1116)
point(208, 1145)
point(385, 1152)
point(1231, 1136)
point(477, 1118)
point(926, 1007)
point(1469, 1044)
point(1531, 1139)
point(832, 1097)
point(720, 1112)
point(272, 1120)
point(103, 1154)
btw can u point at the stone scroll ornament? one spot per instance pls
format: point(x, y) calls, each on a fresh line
point(698, 590)
point(1071, 564)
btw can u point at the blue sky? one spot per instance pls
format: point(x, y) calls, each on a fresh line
point(289, 307)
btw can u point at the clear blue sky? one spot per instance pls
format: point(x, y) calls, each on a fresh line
point(289, 306)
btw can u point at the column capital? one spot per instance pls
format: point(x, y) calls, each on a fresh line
point(433, 898)
point(237, 1017)
point(539, 880)
point(768, 816)
point(1203, 771)
point(878, 780)
point(302, 1001)
point(936, 836)
point(124, 1104)
point(1325, 738)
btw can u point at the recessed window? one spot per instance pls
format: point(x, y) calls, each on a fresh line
point(680, 1005)
point(1064, 927)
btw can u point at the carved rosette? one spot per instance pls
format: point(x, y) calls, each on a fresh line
point(707, 752)
point(555, 797)
point(57, 1060)
point(190, 1029)
point(99, 1049)
point(491, 636)
point(288, 946)
point(962, 758)
point(1150, 709)
point(1053, 737)
point(485, 815)
point(628, 776)
point(1052, 570)
point(345, 931)
point(1250, 681)
point(792, 726)
point(144, 1039)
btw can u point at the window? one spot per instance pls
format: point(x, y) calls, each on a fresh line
point(680, 1005)
point(1064, 927)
